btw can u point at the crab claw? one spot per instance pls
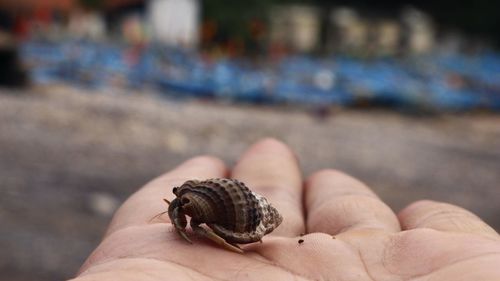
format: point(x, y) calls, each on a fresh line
point(178, 218)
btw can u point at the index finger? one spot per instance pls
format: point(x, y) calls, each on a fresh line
point(147, 201)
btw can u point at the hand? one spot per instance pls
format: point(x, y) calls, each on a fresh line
point(350, 233)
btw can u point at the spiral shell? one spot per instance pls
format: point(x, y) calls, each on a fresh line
point(228, 207)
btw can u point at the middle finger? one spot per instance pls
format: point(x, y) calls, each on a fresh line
point(270, 169)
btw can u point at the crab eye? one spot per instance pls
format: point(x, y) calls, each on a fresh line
point(174, 190)
point(185, 200)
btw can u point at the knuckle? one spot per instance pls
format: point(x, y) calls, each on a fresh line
point(207, 159)
point(326, 173)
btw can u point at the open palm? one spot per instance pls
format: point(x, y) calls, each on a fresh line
point(347, 232)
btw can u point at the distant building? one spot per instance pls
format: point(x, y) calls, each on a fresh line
point(175, 22)
point(419, 31)
point(350, 31)
point(295, 26)
point(387, 37)
point(355, 33)
point(87, 25)
point(63, 18)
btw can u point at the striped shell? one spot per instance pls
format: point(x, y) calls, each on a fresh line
point(228, 207)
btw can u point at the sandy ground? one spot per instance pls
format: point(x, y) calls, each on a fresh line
point(68, 158)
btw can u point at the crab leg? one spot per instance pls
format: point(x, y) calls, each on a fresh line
point(214, 237)
point(178, 218)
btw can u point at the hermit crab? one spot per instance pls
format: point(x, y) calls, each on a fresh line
point(233, 213)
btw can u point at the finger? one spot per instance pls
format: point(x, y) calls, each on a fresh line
point(444, 217)
point(142, 206)
point(270, 169)
point(336, 202)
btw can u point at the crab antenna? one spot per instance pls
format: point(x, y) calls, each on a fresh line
point(166, 201)
point(158, 215)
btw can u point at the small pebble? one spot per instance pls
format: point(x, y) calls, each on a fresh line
point(301, 241)
point(103, 204)
point(177, 142)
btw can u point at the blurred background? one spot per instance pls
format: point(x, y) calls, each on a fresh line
point(97, 97)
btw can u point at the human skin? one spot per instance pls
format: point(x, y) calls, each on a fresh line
point(350, 234)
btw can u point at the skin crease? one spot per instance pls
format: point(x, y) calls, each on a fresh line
point(350, 234)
